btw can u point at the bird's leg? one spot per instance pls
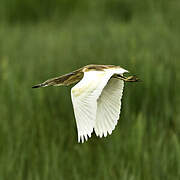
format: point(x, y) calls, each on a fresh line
point(126, 79)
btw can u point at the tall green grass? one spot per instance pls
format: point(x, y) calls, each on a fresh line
point(38, 138)
point(20, 11)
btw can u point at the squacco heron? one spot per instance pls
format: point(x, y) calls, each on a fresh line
point(96, 97)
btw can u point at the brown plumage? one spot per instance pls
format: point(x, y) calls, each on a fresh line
point(96, 97)
point(77, 75)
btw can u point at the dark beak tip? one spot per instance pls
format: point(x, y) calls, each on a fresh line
point(36, 86)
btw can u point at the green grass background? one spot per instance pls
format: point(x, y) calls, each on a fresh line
point(38, 40)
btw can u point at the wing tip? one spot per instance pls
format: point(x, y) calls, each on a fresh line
point(84, 137)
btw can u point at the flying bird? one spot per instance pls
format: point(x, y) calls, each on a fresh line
point(96, 98)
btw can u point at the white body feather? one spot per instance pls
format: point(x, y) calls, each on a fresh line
point(97, 102)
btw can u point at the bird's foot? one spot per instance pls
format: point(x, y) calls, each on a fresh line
point(127, 79)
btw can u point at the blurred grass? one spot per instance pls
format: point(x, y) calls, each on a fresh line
point(38, 138)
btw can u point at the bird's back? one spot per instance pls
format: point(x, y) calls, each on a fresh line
point(95, 67)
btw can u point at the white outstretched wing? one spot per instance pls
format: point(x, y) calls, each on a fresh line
point(86, 104)
point(108, 107)
point(84, 98)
